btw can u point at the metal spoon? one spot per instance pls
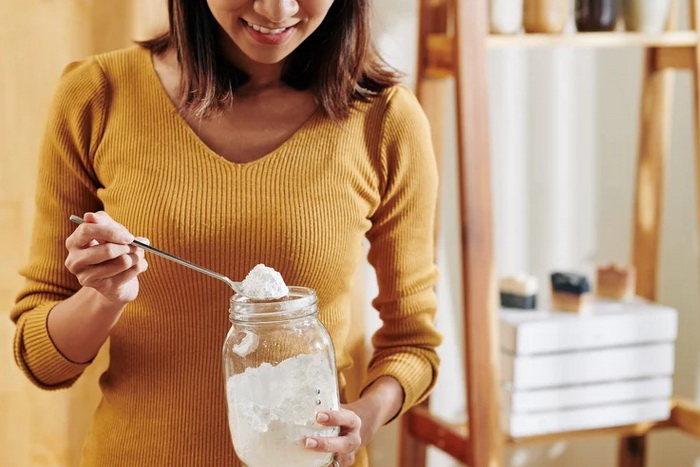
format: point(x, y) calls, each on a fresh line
point(236, 286)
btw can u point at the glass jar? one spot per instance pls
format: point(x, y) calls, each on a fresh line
point(279, 369)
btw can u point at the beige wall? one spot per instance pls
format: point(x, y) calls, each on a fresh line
point(37, 39)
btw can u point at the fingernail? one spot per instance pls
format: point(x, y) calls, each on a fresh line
point(128, 238)
point(322, 417)
point(311, 443)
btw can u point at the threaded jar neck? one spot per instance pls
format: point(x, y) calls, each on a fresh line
point(301, 302)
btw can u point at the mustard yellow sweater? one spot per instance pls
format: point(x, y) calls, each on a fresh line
point(115, 142)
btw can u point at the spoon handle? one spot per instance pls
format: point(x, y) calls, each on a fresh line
point(163, 254)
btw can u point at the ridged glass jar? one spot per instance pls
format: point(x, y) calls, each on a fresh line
point(279, 369)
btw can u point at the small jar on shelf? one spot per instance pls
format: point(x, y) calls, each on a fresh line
point(506, 16)
point(545, 16)
point(596, 15)
point(647, 16)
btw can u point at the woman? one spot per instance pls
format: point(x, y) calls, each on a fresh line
point(253, 131)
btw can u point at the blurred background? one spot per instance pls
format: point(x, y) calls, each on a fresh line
point(564, 134)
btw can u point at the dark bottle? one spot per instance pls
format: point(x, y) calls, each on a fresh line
point(596, 15)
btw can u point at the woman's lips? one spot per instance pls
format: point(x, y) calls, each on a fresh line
point(268, 39)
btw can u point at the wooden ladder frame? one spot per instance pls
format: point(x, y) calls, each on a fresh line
point(453, 40)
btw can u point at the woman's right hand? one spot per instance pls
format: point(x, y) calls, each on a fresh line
point(100, 256)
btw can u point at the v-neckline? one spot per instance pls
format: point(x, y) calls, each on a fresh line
point(191, 134)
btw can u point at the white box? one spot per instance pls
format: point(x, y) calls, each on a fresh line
point(592, 366)
point(539, 423)
point(608, 324)
point(586, 395)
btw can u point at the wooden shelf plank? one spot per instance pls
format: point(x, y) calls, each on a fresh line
point(637, 429)
point(595, 40)
point(451, 437)
point(686, 416)
point(439, 54)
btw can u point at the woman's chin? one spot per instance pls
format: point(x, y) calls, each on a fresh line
point(267, 60)
point(270, 58)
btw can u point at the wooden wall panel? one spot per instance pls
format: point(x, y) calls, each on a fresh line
point(37, 39)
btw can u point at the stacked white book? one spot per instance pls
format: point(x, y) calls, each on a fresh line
point(567, 371)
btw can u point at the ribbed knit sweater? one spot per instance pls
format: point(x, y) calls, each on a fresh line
point(115, 142)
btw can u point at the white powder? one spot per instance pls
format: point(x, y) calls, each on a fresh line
point(263, 283)
point(272, 409)
point(247, 345)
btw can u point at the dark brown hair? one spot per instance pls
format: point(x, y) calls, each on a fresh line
point(337, 62)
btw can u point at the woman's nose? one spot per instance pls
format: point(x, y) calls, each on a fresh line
point(277, 11)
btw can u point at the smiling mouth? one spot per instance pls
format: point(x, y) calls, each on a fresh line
point(267, 31)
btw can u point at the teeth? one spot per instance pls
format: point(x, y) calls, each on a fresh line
point(266, 30)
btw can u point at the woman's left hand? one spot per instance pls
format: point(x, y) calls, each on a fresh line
point(359, 420)
point(353, 431)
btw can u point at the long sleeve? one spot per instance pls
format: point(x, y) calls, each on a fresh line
point(402, 253)
point(66, 184)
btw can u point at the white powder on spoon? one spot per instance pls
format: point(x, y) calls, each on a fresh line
point(261, 283)
point(264, 283)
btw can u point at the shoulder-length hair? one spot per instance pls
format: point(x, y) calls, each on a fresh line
point(337, 63)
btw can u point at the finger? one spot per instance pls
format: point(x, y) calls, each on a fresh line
point(79, 259)
point(140, 251)
point(85, 233)
point(340, 444)
point(114, 284)
point(108, 269)
point(127, 276)
point(343, 418)
point(103, 218)
point(97, 217)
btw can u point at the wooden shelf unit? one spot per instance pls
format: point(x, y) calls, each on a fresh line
point(451, 438)
point(594, 39)
point(453, 43)
point(440, 53)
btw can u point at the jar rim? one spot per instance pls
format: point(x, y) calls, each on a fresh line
point(297, 304)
